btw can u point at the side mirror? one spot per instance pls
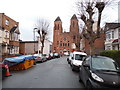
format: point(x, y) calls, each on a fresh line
point(86, 65)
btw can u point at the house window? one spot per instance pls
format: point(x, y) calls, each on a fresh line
point(108, 36)
point(108, 47)
point(0, 33)
point(7, 22)
point(119, 32)
point(113, 47)
point(112, 34)
point(7, 34)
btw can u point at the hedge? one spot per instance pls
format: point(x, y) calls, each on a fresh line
point(114, 54)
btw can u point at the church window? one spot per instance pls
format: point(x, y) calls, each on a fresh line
point(55, 26)
point(64, 39)
point(73, 23)
point(63, 44)
point(60, 43)
point(57, 42)
point(74, 37)
point(58, 26)
point(68, 44)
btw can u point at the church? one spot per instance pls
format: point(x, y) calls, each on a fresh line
point(64, 41)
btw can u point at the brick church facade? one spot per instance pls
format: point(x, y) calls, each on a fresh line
point(63, 41)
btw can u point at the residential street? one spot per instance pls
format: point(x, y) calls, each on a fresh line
point(55, 73)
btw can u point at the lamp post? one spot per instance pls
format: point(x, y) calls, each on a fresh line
point(34, 37)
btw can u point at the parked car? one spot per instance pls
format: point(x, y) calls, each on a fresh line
point(56, 55)
point(75, 60)
point(100, 72)
point(4, 70)
point(51, 55)
point(47, 56)
point(39, 57)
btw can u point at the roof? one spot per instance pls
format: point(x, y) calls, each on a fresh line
point(82, 53)
point(58, 19)
point(109, 26)
point(17, 31)
point(13, 29)
point(115, 41)
point(74, 17)
point(28, 41)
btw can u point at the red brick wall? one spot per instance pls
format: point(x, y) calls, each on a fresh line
point(99, 44)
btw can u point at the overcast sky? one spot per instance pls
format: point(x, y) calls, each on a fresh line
point(26, 12)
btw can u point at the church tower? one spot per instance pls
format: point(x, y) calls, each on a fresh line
point(57, 31)
point(74, 30)
point(74, 24)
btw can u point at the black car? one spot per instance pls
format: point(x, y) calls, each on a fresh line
point(56, 55)
point(100, 72)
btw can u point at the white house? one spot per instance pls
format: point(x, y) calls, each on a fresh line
point(47, 46)
point(112, 31)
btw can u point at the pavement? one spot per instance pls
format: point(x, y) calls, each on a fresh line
point(55, 73)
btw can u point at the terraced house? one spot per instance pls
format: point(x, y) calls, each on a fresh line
point(112, 31)
point(9, 35)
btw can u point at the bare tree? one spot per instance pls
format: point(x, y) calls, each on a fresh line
point(87, 10)
point(43, 31)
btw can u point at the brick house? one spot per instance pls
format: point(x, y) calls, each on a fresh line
point(99, 43)
point(31, 47)
point(63, 41)
point(9, 35)
point(28, 47)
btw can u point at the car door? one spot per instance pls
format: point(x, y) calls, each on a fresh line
point(85, 70)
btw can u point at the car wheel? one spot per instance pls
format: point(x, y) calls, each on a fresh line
point(72, 68)
point(80, 78)
point(88, 85)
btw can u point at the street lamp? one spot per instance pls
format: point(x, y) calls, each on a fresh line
point(34, 37)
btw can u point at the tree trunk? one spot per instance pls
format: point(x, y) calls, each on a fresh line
point(92, 49)
point(42, 48)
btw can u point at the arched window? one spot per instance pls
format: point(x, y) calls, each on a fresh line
point(74, 37)
point(61, 43)
point(55, 26)
point(58, 26)
point(57, 42)
point(73, 23)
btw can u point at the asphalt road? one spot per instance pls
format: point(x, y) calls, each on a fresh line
point(55, 73)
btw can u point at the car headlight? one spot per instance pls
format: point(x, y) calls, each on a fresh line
point(97, 78)
point(74, 63)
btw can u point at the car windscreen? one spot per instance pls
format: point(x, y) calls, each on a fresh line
point(79, 57)
point(56, 54)
point(100, 63)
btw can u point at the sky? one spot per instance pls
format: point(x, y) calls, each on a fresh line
point(26, 12)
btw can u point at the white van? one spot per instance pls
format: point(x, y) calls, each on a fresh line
point(75, 59)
